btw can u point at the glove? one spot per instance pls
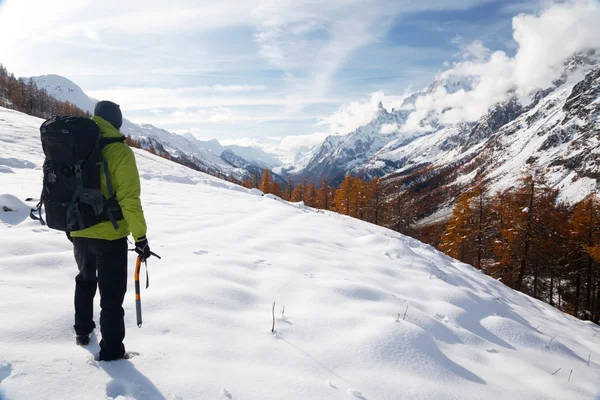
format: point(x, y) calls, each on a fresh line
point(142, 248)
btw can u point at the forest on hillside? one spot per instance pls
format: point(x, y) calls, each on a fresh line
point(23, 95)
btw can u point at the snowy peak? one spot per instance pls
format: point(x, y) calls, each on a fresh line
point(64, 89)
point(339, 154)
point(452, 83)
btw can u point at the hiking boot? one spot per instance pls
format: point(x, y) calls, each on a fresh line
point(124, 356)
point(82, 340)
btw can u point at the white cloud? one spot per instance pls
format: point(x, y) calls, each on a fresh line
point(357, 113)
point(237, 88)
point(475, 51)
point(388, 128)
point(215, 116)
point(286, 146)
point(293, 144)
point(545, 41)
point(200, 97)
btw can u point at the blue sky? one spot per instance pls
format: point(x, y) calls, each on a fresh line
point(249, 70)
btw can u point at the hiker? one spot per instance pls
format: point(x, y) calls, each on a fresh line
point(101, 250)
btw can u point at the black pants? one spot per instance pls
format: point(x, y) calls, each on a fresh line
point(103, 264)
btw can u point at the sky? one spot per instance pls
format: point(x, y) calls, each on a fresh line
point(281, 73)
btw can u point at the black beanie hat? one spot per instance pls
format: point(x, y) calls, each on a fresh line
point(110, 111)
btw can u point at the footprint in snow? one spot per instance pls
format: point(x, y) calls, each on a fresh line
point(492, 351)
point(5, 370)
point(119, 387)
point(261, 262)
point(356, 394)
point(226, 393)
point(310, 275)
point(200, 252)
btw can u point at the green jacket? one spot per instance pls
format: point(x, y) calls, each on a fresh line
point(126, 184)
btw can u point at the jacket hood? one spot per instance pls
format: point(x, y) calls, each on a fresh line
point(106, 128)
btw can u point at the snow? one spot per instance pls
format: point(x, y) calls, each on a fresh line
point(228, 254)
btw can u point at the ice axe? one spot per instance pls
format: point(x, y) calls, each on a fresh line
point(138, 297)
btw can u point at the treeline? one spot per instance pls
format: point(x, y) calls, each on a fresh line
point(24, 96)
point(355, 197)
point(532, 242)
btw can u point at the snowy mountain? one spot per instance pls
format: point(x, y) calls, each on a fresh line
point(251, 155)
point(361, 312)
point(557, 130)
point(203, 155)
point(340, 154)
point(65, 90)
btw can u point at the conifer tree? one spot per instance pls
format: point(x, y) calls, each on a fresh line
point(276, 189)
point(455, 239)
point(323, 196)
point(310, 195)
point(299, 191)
point(342, 196)
point(375, 201)
point(585, 233)
point(247, 183)
point(266, 183)
point(287, 192)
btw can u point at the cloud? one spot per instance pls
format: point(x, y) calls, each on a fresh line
point(133, 98)
point(388, 128)
point(294, 144)
point(545, 41)
point(358, 113)
point(319, 37)
point(215, 115)
point(237, 88)
point(475, 51)
point(286, 146)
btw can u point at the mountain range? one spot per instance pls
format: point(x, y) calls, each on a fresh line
point(555, 130)
point(206, 156)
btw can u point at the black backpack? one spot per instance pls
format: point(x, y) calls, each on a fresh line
point(71, 192)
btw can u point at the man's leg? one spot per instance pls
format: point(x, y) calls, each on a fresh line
point(85, 287)
point(111, 258)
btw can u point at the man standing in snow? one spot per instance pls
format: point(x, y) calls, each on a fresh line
point(101, 250)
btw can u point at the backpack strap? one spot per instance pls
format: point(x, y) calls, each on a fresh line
point(38, 210)
point(112, 210)
point(73, 206)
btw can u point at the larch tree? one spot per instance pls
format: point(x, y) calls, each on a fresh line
point(310, 195)
point(375, 201)
point(456, 237)
point(323, 196)
point(585, 233)
point(342, 196)
point(266, 182)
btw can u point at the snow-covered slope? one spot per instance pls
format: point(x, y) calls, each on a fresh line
point(369, 313)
